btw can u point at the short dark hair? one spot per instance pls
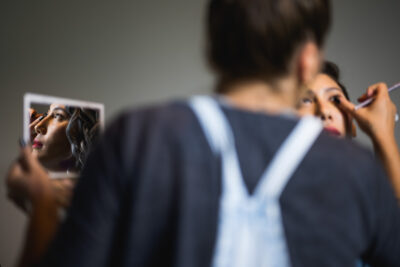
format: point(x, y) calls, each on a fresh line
point(256, 39)
point(332, 70)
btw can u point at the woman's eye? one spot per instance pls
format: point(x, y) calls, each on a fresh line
point(334, 98)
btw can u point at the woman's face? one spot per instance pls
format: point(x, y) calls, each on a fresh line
point(51, 145)
point(319, 101)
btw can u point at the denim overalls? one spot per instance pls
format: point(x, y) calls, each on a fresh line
point(250, 231)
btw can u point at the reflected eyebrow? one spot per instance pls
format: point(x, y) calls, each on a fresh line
point(61, 109)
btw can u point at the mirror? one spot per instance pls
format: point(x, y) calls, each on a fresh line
point(61, 131)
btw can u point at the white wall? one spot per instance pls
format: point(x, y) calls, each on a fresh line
point(126, 53)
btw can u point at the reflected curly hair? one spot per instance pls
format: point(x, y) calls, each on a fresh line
point(82, 131)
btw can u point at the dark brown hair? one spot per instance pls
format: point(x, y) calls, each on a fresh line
point(256, 39)
point(332, 70)
point(82, 131)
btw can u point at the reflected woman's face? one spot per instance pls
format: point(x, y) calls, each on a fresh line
point(319, 101)
point(51, 145)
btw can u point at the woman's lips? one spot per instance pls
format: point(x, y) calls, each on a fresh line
point(37, 144)
point(333, 131)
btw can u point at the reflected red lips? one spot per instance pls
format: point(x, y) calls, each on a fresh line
point(37, 144)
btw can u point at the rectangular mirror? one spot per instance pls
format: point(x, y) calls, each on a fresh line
point(61, 131)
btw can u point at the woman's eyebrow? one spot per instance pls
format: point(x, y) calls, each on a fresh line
point(329, 89)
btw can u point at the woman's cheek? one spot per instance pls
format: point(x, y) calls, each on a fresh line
point(58, 135)
point(341, 122)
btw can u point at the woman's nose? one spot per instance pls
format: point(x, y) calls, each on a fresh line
point(41, 127)
point(324, 112)
point(326, 115)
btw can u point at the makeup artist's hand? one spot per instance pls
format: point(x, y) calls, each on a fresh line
point(378, 118)
point(378, 121)
point(27, 181)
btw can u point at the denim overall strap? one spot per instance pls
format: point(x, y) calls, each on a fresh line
point(276, 176)
point(220, 137)
point(288, 157)
point(250, 231)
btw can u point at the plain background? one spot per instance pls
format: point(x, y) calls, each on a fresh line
point(130, 53)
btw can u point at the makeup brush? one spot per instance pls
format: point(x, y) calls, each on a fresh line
point(369, 100)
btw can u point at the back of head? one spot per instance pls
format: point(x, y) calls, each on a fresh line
point(256, 39)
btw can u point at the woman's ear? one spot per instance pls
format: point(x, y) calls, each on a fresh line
point(309, 62)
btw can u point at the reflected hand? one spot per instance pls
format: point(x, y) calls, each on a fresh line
point(32, 125)
point(378, 118)
point(27, 181)
point(32, 114)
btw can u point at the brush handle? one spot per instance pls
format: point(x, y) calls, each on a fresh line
point(369, 100)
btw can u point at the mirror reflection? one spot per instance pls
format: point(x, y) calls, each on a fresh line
point(61, 136)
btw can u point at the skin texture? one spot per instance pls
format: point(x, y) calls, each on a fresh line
point(319, 100)
point(50, 144)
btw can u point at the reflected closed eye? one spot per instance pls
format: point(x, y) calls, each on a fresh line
point(59, 116)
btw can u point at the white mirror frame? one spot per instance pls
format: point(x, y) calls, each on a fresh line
point(31, 98)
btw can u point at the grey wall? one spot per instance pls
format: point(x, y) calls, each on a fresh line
point(126, 53)
point(365, 43)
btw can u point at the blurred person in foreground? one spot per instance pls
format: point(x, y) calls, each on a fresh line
point(231, 180)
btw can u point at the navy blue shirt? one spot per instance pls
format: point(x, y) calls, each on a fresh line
point(149, 195)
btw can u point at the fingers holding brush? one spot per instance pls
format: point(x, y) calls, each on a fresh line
point(377, 119)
